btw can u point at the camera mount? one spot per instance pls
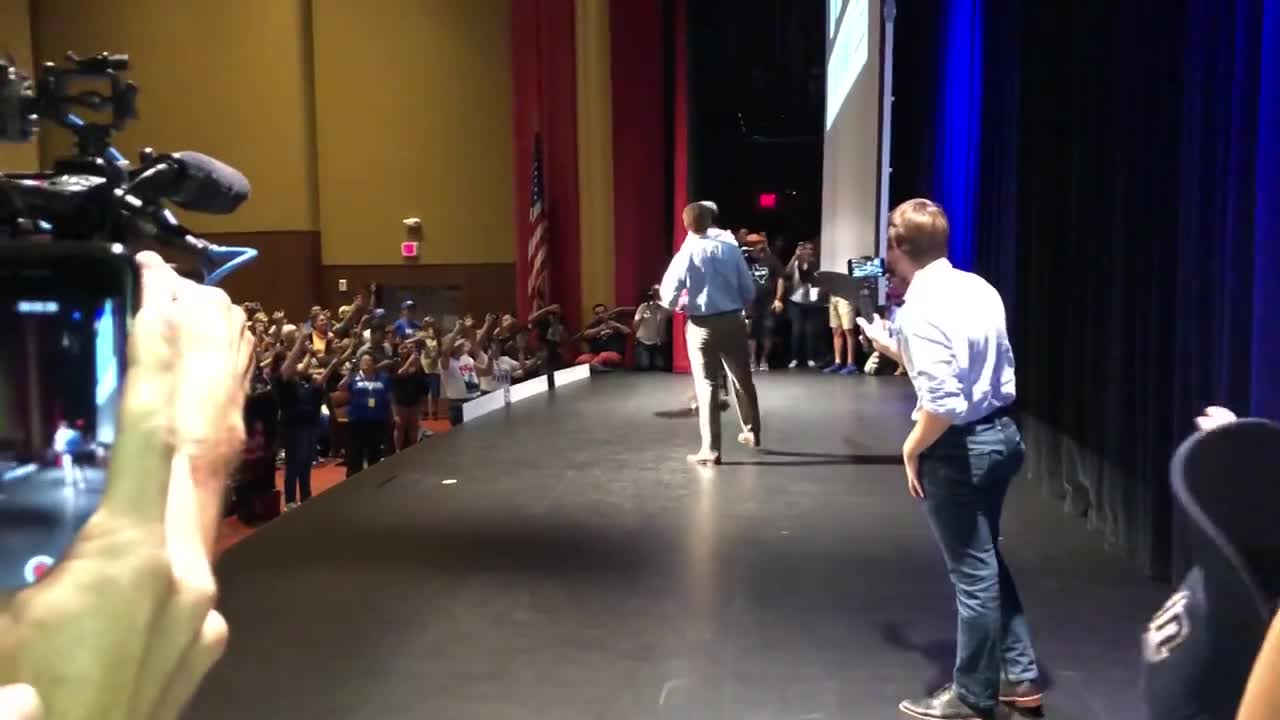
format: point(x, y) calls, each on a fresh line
point(96, 193)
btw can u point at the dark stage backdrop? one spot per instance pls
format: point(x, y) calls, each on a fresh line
point(1113, 198)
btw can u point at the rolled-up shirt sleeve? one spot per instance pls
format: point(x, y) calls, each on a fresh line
point(674, 279)
point(934, 369)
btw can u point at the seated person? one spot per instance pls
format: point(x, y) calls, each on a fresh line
point(605, 340)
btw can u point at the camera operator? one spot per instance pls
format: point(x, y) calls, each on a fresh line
point(961, 455)
point(124, 625)
point(805, 311)
point(650, 327)
point(771, 288)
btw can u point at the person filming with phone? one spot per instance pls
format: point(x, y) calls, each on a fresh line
point(960, 456)
point(124, 625)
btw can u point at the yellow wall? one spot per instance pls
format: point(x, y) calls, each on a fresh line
point(595, 153)
point(15, 38)
point(230, 78)
point(413, 101)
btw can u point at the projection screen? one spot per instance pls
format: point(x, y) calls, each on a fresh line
point(851, 157)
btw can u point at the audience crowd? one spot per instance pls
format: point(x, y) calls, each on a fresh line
point(356, 384)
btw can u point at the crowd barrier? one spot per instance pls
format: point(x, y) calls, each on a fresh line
point(486, 404)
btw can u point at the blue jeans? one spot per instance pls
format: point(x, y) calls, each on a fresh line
point(299, 443)
point(650, 357)
point(965, 475)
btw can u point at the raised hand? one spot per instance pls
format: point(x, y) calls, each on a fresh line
point(1215, 417)
point(877, 331)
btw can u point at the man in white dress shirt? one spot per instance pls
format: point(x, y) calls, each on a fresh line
point(709, 268)
point(964, 450)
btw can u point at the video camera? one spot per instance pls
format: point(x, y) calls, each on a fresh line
point(96, 194)
point(69, 290)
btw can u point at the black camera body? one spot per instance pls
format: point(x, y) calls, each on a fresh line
point(69, 288)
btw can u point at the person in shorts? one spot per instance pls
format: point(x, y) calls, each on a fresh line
point(844, 336)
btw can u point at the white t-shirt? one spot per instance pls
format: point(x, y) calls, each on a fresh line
point(500, 378)
point(460, 381)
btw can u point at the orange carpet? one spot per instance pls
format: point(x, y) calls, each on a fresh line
point(323, 477)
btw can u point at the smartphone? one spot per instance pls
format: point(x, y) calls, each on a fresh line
point(65, 310)
point(866, 267)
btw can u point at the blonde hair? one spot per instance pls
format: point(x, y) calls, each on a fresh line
point(919, 229)
point(698, 217)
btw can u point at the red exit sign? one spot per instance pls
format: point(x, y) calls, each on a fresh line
point(768, 201)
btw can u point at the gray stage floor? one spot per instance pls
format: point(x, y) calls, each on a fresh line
point(579, 568)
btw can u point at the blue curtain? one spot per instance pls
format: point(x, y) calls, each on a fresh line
point(960, 124)
point(1113, 172)
point(1266, 271)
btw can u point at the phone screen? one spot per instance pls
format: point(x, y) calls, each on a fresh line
point(62, 369)
point(866, 267)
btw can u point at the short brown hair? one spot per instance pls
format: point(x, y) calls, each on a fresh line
point(698, 216)
point(919, 229)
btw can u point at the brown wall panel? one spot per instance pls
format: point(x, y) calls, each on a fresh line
point(484, 287)
point(230, 78)
point(413, 119)
point(286, 273)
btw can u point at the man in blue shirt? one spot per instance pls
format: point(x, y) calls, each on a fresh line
point(709, 266)
point(406, 327)
point(960, 457)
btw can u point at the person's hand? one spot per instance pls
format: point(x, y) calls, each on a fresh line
point(1215, 417)
point(877, 331)
point(777, 307)
point(912, 463)
point(123, 626)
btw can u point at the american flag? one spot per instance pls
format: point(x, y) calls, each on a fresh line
point(538, 239)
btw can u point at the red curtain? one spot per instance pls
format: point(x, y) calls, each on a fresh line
point(680, 161)
point(640, 204)
point(545, 99)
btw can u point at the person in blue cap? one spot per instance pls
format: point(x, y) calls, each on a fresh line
point(406, 327)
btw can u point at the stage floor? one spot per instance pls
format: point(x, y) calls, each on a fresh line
point(560, 560)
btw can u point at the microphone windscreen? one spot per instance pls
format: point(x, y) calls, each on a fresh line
point(209, 185)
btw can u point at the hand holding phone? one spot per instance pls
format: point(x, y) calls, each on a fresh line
point(136, 603)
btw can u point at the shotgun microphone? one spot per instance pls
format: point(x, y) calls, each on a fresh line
point(193, 181)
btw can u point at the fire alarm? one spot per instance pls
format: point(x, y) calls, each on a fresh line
point(409, 249)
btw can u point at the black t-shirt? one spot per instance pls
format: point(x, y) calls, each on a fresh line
point(766, 272)
point(261, 408)
point(408, 390)
point(300, 400)
point(609, 341)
